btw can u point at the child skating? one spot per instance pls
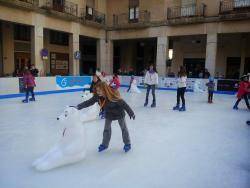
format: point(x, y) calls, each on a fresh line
point(29, 84)
point(210, 88)
point(181, 89)
point(114, 109)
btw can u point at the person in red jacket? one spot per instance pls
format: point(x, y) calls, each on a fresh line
point(115, 82)
point(243, 91)
point(29, 84)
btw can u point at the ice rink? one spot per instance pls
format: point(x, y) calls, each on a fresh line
point(208, 146)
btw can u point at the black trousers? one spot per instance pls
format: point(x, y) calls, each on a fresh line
point(149, 87)
point(30, 90)
point(210, 95)
point(245, 97)
point(180, 95)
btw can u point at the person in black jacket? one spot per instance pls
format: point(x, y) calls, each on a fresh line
point(34, 71)
point(114, 109)
point(95, 80)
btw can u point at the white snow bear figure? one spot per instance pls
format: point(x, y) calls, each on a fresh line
point(91, 113)
point(134, 88)
point(70, 148)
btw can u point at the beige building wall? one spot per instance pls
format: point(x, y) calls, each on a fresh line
point(8, 48)
point(41, 20)
point(53, 48)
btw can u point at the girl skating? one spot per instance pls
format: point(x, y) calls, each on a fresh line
point(151, 80)
point(114, 109)
point(181, 89)
point(29, 84)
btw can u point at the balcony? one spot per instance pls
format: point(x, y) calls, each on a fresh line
point(186, 14)
point(67, 8)
point(94, 17)
point(234, 9)
point(26, 4)
point(234, 6)
point(123, 21)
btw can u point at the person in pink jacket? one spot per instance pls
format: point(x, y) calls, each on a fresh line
point(243, 91)
point(115, 82)
point(29, 84)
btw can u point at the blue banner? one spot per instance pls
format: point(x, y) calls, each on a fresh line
point(72, 81)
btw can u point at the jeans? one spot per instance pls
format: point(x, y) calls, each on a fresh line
point(153, 92)
point(180, 95)
point(107, 132)
point(245, 97)
point(30, 90)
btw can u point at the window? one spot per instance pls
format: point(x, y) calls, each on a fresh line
point(59, 38)
point(188, 7)
point(89, 11)
point(90, 5)
point(133, 10)
point(22, 32)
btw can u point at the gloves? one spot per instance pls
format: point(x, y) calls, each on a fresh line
point(132, 116)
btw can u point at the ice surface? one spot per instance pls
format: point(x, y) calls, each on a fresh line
point(205, 147)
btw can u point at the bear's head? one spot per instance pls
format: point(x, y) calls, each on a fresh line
point(69, 114)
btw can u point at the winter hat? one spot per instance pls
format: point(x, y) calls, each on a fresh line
point(100, 76)
point(211, 79)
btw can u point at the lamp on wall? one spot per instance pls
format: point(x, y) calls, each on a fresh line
point(170, 54)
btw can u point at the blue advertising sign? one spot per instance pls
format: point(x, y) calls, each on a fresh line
point(72, 81)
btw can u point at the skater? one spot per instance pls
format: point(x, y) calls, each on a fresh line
point(243, 91)
point(115, 82)
point(29, 84)
point(95, 80)
point(34, 71)
point(248, 122)
point(210, 87)
point(114, 107)
point(182, 84)
point(133, 86)
point(151, 80)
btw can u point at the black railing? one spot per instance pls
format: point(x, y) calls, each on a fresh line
point(95, 16)
point(193, 10)
point(65, 7)
point(125, 20)
point(28, 1)
point(229, 6)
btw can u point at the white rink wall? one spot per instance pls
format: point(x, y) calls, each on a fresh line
point(10, 86)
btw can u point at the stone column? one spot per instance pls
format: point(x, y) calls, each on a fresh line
point(162, 55)
point(243, 55)
point(74, 64)
point(74, 37)
point(105, 56)
point(211, 52)
point(37, 46)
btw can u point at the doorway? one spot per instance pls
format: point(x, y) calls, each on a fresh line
point(233, 68)
point(22, 59)
point(194, 66)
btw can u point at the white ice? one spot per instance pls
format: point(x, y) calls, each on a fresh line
point(205, 147)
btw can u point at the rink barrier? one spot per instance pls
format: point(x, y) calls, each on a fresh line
point(41, 93)
point(81, 89)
